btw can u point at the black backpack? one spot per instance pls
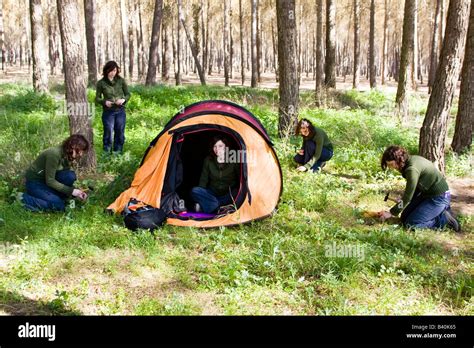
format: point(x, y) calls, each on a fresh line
point(145, 217)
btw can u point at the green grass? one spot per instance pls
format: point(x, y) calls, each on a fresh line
point(84, 261)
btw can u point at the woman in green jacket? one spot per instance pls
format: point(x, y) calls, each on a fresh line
point(49, 179)
point(426, 200)
point(316, 149)
point(112, 93)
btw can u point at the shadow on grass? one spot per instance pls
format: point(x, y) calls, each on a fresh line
point(13, 303)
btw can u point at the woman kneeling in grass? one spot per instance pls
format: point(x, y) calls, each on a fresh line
point(426, 201)
point(49, 180)
point(316, 149)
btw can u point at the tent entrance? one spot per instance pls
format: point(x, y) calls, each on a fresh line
point(191, 145)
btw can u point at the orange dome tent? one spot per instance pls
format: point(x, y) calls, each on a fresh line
point(172, 164)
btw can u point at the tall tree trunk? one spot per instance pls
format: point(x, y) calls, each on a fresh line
point(355, 79)
point(253, 45)
point(435, 124)
point(155, 38)
point(131, 54)
point(288, 86)
point(89, 13)
point(167, 44)
point(274, 49)
point(372, 72)
point(140, 45)
point(196, 13)
point(2, 38)
point(259, 44)
point(330, 64)
point(319, 52)
point(434, 55)
point(124, 22)
point(178, 47)
point(52, 44)
point(40, 72)
point(385, 43)
point(194, 52)
point(78, 108)
point(225, 37)
point(242, 57)
point(414, 63)
point(405, 59)
point(462, 139)
point(231, 43)
point(206, 51)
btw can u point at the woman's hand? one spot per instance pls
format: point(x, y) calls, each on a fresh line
point(108, 103)
point(300, 152)
point(301, 169)
point(384, 215)
point(79, 194)
point(120, 101)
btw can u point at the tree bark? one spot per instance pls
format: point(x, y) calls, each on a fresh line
point(178, 47)
point(288, 86)
point(330, 65)
point(40, 72)
point(434, 56)
point(2, 38)
point(242, 57)
point(124, 22)
point(435, 124)
point(385, 43)
point(89, 13)
point(372, 72)
point(319, 53)
point(78, 108)
point(356, 74)
point(405, 59)
point(155, 38)
point(462, 139)
point(194, 52)
point(226, 43)
point(414, 64)
point(166, 44)
point(253, 45)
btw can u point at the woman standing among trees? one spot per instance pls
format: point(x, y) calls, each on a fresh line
point(112, 93)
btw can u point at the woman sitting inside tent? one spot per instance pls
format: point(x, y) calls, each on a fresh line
point(49, 180)
point(426, 201)
point(218, 184)
point(316, 149)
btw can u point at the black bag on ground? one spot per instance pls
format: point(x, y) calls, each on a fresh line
point(146, 217)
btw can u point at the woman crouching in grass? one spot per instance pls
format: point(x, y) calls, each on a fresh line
point(316, 149)
point(49, 180)
point(426, 201)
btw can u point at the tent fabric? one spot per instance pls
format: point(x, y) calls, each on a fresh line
point(264, 179)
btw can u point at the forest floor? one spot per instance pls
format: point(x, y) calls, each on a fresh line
point(85, 262)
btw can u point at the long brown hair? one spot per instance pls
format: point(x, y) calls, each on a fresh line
point(75, 142)
point(311, 128)
point(395, 153)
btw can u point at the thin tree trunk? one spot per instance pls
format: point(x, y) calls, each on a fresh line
point(124, 22)
point(319, 52)
point(414, 64)
point(155, 38)
point(253, 45)
point(434, 46)
point(405, 59)
point(385, 43)
point(330, 65)
point(2, 38)
point(194, 52)
point(178, 47)
point(259, 44)
point(435, 124)
point(166, 44)
point(78, 108)
point(38, 42)
point(89, 13)
point(462, 139)
point(355, 79)
point(242, 57)
point(372, 72)
point(274, 45)
point(226, 42)
point(288, 86)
